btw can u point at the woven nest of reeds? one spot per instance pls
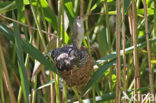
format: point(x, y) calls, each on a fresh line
point(73, 65)
point(78, 77)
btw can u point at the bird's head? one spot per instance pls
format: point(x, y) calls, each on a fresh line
point(78, 32)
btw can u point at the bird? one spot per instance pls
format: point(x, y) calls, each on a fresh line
point(78, 32)
point(71, 55)
point(73, 61)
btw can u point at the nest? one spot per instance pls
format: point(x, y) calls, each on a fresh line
point(78, 77)
point(73, 65)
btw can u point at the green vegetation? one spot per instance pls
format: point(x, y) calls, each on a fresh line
point(31, 28)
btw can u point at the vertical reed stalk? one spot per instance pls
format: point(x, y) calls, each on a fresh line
point(148, 50)
point(34, 90)
point(1, 82)
point(63, 36)
point(52, 92)
point(44, 21)
point(107, 26)
point(57, 88)
point(27, 56)
point(124, 54)
point(81, 7)
point(35, 78)
point(138, 4)
point(56, 77)
point(88, 11)
point(19, 95)
point(154, 35)
point(154, 25)
point(59, 23)
point(38, 27)
point(118, 83)
point(136, 65)
point(6, 77)
point(130, 22)
point(88, 40)
point(65, 93)
point(52, 95)
point(108, 35)
point(30, 98)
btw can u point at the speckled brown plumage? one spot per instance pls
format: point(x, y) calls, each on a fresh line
point(68, 57)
